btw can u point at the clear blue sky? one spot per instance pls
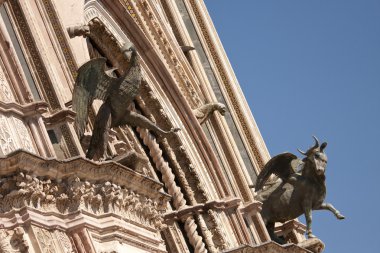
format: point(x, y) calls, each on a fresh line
point(313, 67)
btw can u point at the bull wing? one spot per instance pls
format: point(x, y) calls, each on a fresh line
point(92, 82)
point(280, 165)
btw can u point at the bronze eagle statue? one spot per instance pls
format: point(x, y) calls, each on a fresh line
point(300, 188)
point(95, 82)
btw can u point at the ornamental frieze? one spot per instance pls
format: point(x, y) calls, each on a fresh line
point(72, 194)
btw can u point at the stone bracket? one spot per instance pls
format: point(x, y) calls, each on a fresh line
point(186, 211)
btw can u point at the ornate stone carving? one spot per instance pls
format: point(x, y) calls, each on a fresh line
point(72, 194)
point(79, 30)
point(37, 63)
point(64, 241)
point(152, 27)
point(7, 142)
point(204, 112)
point(6, 94)
point(227, 84)
point(178, 198)
point(23, 135)
point(314, 245)
point(12, 241)
point(45, 239)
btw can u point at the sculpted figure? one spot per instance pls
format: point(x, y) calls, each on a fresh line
point(95, 82)
point(295, 192)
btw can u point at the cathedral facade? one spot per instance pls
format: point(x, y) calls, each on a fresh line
point(185, 192)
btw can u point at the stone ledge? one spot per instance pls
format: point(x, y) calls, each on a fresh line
point(21, 160)
point(269, 247)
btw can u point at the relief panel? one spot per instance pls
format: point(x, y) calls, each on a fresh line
point(14, 135)
point(6, 94)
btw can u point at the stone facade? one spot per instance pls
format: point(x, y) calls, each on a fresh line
point(185, 193)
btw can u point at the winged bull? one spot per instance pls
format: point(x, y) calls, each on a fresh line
point(95, 82)
point(296, 192)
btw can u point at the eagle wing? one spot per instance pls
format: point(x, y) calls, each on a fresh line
point(280, 165)
point(92, 82)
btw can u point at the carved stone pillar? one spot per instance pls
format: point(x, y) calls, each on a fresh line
point(251, 213)
point(178, 198)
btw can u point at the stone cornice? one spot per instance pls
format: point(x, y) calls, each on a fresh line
point(269, 247)
point(26, 110)
point(60, 117)
point(21, 160)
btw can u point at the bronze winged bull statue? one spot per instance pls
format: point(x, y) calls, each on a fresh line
point(295, 192)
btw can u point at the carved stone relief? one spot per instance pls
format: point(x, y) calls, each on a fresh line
point(14, 135)
point(6, 94)
point(23, 135)
point(12, 241)
point(64, 242)
point(45, 240)
point(72, 194)
point(7, 143)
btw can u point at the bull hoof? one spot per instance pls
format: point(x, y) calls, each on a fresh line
point(310, 235)
point(340, 217)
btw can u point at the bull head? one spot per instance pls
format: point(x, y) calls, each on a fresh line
point(316, 156)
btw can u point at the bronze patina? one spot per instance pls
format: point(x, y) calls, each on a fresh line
point(300, 188)
point(95, 82)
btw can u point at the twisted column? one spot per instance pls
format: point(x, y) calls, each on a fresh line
point(168, 179)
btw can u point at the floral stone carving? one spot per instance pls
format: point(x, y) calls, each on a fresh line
point(72, 193)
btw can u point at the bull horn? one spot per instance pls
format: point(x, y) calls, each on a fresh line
point(304, 153)
point(323, 146)
point(316, 145)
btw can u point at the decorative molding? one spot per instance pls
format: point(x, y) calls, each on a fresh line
point(83, 169)
point(14, 134)
point(62, 38)
point(186, 173)
point(269, 247)
point(66, 133)
point(72, 194)
point(37, 64)
point(227, 84)
point(6, 94)
point(179, 201)
point(23, 111)
point(152, 27)
point(59, 117)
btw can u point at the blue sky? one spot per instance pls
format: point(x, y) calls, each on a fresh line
point(313, 67)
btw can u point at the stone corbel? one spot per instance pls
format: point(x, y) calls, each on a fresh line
point(313, 244)
point(187, 211)
point(204, 112)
